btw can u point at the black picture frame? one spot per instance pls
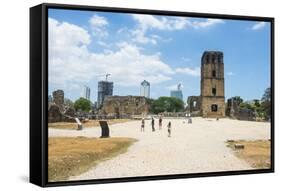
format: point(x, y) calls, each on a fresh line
point(39, 91)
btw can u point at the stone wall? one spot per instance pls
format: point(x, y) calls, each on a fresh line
point(245, 114)
point(125, 106)
point(234, 111)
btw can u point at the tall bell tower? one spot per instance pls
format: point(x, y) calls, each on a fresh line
point(212, 84)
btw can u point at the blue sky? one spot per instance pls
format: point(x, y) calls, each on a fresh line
point(164, 50)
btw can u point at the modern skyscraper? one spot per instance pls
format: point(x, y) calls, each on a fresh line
point(177, 93)
point(105, 88)
point(86, 92)
point(145, 89)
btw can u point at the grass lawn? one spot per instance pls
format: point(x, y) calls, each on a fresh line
point(90, 123)
point(256, 153)
point(73, 156)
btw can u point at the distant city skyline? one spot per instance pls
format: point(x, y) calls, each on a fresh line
point(145, 89)
point(177, 93)
point(164, 50)
point(86, 92)
point(105, 88)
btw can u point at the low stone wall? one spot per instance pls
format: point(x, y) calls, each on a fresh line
point(235, 112)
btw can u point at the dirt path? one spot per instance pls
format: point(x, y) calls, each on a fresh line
point(196, 147)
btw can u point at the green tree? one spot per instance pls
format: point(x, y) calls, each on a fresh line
point(262, 107)
point(168, 104)
point(266, 103)
point(68, 102)
point(267, 95)
point(149, 101)
point(238, 99)
point(257, 103)
point(246, 105)
point(82, 104)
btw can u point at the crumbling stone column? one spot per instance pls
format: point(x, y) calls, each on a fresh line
point(58, 98)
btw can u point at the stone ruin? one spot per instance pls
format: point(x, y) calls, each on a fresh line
point(58, 111)
point(194, 105)
point(234, 111)
point(124, 106)
point(54, 113)
point(58, 98)
point(232, 107)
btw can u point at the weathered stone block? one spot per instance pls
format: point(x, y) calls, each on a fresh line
point(239, 146)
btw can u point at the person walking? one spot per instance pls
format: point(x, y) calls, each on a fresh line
point(169, 129)
point(160, 123)
point(142, 125)
point(152, 124)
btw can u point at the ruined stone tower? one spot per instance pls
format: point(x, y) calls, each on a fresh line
point(212, 84)
point(58, 98)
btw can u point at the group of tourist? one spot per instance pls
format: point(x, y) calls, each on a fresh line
point(169, 126)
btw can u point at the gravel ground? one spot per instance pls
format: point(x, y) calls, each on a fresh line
point(192, 148)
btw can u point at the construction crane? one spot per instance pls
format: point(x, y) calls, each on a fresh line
point(179, 86)
point(106, 76)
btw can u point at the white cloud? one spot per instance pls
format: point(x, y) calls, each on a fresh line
point(161, 23)
point(205, 23)
point(129, 66)
point(140, 37)
point(69, 34)
point(67, 43)
point(98, 21)
point(122, 30)
point(149, 22)
point(159, 38)
point(188, 71)
point(146, 22)
point(258, 25)
point(71, 62)
point(98, 26)
point(104, 44)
